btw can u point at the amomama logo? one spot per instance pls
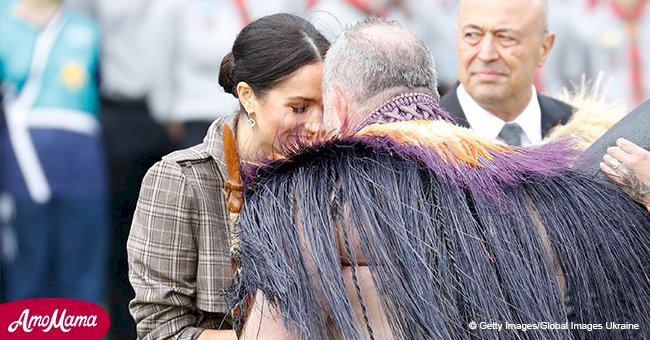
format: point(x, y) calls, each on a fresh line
point(52, 318)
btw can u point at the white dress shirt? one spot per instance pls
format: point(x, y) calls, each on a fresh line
point(489, 125)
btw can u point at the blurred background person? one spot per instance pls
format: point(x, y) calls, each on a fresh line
point(133, 49)
point(332, 15)
point(438, 34)
point(52, 165)
point(608, 36)
point(336, 14)
point(201, 33)
point(569, 61)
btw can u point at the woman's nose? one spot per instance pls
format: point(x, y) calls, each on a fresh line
point(315, 121)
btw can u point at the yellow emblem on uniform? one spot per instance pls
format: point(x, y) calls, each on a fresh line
point(74, 74)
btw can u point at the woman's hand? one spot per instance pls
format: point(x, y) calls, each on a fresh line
point(629, 165)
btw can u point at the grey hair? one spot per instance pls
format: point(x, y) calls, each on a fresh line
point(376, 59)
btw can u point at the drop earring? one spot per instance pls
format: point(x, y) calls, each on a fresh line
point(250, 122)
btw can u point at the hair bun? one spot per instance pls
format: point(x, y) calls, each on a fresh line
point(226, 79)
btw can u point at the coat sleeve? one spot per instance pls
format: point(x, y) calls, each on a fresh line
point(163, 256)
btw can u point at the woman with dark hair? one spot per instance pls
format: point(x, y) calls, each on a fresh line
point(179, 245)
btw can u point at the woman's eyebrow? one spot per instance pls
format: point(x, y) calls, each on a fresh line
point(301, 98)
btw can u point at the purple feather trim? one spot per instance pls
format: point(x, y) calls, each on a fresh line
point(512, 167)
point(508, 166)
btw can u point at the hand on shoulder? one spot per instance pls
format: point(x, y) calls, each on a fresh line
point(629, 165)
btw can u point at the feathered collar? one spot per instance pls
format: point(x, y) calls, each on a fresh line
point(409, 106)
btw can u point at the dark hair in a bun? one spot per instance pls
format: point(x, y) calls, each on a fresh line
point(225, 74)
point(268, 50)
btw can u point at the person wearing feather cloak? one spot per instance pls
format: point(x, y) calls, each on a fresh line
point(402, 225)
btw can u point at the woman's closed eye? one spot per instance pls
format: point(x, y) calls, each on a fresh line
point(301, 106)
point(299, 109)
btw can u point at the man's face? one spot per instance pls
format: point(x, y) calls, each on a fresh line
point(500, 44)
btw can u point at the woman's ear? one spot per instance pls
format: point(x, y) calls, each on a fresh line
point(246, 97)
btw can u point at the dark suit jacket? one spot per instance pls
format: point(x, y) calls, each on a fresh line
point(554, 112)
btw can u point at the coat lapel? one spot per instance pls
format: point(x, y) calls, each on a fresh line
point(451, 104)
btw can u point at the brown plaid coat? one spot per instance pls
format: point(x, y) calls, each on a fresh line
point(178, 248)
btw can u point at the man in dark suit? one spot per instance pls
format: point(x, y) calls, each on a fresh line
point(500, 45)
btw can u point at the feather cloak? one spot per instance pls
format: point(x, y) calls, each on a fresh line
point(451, 228)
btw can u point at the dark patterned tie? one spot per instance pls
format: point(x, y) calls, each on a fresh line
point(511, 134)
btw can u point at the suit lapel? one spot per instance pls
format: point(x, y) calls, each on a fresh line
point(553, 111)
point(451, 104)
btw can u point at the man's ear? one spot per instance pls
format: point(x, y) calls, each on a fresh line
point(547, 44)
point(246, 97)
point(340, 105)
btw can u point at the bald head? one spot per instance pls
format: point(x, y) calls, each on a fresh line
point(373, 61)
point(537, 9)
point(500, 45)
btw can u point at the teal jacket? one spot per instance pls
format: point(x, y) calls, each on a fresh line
point(70, 77)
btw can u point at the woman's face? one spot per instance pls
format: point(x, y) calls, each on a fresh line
point(291, 110)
